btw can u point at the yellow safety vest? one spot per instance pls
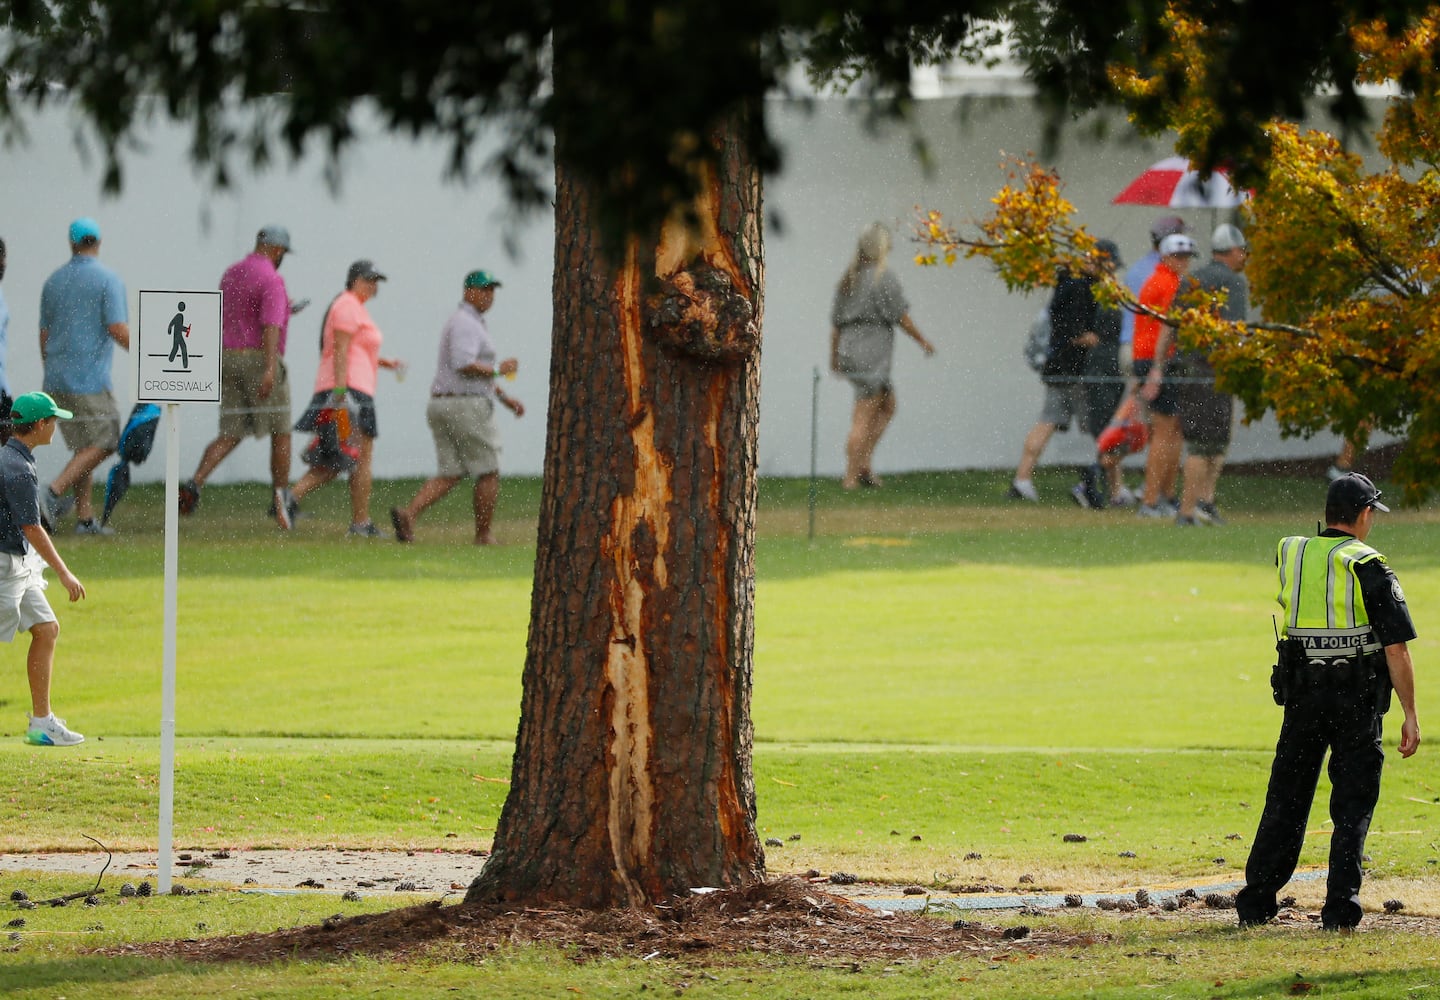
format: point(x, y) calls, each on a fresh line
point(1321, 596)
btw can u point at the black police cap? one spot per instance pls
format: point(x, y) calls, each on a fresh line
point(1352, 493)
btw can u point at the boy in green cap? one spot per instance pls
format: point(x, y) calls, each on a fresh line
point(25, 549)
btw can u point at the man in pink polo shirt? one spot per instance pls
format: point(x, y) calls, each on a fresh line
point(254, 387)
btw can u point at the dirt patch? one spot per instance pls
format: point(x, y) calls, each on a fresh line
point(785, 916)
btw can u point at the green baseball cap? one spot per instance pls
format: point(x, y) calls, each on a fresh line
point(481, 279)
point(35, 406)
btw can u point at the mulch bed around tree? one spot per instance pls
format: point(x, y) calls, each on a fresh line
point(786, 916)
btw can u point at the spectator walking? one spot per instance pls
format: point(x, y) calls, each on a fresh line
point(1346, 631)
point(83, 315)
point(349, 367)
point(1078, 327)
point(1162, 461)
point(461, 412)
point(1137, 274)
point(1205, 414)
point(869, 304)
point(25, 550)
point(255, 386)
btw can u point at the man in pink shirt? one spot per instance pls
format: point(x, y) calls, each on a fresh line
point(254, 387)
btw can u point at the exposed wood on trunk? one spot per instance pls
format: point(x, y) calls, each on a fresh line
point(632, 777)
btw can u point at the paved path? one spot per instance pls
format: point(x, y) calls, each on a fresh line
point(439, 873)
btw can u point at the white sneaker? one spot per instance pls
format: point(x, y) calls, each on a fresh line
point(1123, 498)
point(286, 508)
point(51, 732)
point(1023, 489)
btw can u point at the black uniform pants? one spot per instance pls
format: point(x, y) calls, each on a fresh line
point(1341, 718)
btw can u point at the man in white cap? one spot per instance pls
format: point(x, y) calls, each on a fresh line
point(255, 387)
point(1138, 273)
point(1154, 340)
point(1206, 415)
point(83, 315)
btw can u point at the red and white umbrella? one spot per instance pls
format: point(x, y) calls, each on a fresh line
point(1172, 184)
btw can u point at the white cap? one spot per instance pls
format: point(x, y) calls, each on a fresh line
point(1227, 237)
point(1177, 244)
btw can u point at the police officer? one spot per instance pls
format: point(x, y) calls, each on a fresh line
point(1346, 616)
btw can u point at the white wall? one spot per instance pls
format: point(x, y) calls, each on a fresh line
point(967, 407)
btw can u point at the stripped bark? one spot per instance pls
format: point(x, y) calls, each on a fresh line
point(632, 777)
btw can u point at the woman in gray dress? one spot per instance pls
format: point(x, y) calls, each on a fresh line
point(868, 305)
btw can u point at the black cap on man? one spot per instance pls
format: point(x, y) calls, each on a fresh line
point(1349, 496)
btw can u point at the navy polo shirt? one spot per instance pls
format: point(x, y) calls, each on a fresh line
point(19, 496)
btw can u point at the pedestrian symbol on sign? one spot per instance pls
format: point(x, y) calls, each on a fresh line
point(179, 333)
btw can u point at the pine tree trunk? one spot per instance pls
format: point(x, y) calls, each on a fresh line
point(632, 776)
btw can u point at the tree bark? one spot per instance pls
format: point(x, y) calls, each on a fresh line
point(632, 777)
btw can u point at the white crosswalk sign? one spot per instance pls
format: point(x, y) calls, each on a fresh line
point(177, 347)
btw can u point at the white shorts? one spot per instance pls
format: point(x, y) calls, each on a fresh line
point(22, 594)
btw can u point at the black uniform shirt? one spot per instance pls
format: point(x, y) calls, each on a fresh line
point(1384, 600)
point(19, 496)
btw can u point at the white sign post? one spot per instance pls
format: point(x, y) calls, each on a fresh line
point(177, 359)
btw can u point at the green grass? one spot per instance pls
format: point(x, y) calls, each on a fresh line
point(934, 662)
point(1129, 959)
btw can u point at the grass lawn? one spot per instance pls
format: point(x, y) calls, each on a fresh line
point(934, 663)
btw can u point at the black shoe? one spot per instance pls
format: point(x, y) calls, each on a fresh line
point(1253, 912)
point(189, 497)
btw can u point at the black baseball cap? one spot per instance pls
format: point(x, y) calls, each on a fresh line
point(362, 268)
point(1349, 495)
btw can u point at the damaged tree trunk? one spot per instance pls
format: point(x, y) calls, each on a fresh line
point(632, 776)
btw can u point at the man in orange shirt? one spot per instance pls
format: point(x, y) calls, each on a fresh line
point(1162, 463)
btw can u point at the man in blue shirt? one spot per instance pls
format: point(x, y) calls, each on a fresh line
point(25, 550)
point(83, 315)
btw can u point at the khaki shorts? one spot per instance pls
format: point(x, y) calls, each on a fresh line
point(22, 594)
point(242, 412)
point(96, 423)
point(466, 442)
